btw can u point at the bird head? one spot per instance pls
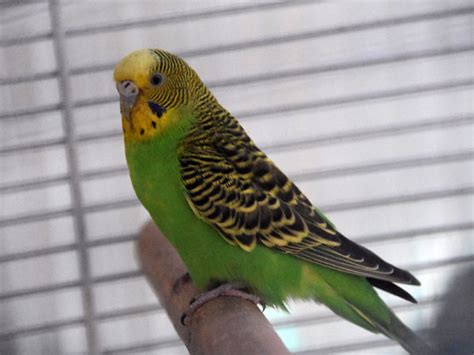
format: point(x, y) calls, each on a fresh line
point(154, 87)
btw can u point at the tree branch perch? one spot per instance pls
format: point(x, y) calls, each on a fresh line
point(225, 325)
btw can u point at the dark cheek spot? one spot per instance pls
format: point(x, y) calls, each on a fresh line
point(142, 132)
point(156, 109)
point(153, 123)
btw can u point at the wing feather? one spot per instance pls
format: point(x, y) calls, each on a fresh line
point(235, 187)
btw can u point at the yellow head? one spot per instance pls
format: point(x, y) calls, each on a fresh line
point(153, 86)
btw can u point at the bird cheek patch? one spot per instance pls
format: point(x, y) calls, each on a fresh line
point(156, 109)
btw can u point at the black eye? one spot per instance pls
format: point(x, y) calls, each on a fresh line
point(156, 79)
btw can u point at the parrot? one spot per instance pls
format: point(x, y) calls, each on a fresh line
point(236, 220)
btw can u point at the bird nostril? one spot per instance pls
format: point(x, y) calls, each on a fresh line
point(127, 88)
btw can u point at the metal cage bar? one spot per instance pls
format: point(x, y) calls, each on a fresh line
point(74, 178)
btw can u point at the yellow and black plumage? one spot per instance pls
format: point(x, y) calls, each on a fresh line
point(203, 181)
point(231, 184)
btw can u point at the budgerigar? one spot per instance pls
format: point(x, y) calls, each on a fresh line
point(231, 214)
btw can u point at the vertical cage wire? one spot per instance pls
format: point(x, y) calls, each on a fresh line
point(67, 113)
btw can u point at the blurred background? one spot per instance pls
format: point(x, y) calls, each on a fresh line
point(367, 105)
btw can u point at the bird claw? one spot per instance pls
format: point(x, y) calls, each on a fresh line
point(232, 289)
point(184, 279)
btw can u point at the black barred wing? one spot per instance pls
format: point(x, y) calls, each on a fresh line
point(233, 186)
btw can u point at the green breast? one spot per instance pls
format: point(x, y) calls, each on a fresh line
point(156, 177)
point(155, 173)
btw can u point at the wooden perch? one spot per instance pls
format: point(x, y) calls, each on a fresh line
point(225, 325)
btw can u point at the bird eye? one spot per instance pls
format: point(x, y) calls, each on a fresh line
point(156, 79)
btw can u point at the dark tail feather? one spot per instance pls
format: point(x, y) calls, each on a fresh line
point(390, 287)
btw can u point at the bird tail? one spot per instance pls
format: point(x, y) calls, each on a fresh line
point(396, 330)
point(355, 299)
point(406, 337)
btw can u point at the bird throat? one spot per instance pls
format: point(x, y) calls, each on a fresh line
point(147, 119)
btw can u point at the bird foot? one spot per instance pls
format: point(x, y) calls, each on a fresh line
point(231, 289)
point(184, 279)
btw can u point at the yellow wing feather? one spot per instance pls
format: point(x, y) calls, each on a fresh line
point(235, 187)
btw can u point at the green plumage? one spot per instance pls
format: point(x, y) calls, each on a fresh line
point(232, 215)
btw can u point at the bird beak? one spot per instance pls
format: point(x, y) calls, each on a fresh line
point(128, 95)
